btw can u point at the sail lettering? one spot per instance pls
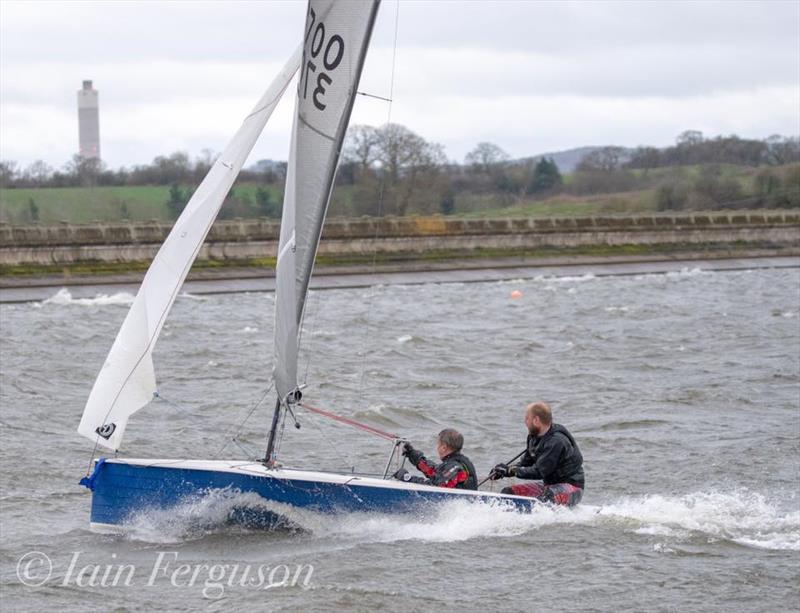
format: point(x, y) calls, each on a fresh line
point(319, 37)
point(106, 430)
point(331, 64)
point(332, 52)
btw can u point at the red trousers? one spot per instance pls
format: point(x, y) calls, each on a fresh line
point(558, 493)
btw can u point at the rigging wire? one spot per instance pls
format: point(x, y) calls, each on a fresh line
point(279, 438)
point(249, 451)
point(381, 195)
point(374, 96)
point(233, 438)
point(349, 422)
point(91, 458)
point(343, 455)
point(157, 397)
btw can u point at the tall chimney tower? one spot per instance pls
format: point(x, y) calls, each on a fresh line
point(88, 122)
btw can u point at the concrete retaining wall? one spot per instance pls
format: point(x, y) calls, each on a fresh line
point(245, 239)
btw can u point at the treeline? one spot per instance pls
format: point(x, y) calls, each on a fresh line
point(176, 168)
point(696, 174)
point(392, 170)
point(693, 148)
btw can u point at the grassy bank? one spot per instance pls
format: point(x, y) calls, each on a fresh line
point(86, 204)
point(148, 202)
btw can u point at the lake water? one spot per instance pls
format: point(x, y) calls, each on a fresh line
point(682, 389)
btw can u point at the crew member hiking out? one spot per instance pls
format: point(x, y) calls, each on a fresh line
point(552, 458)
point(455, 469)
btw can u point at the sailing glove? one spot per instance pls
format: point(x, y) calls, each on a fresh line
point(502, 471)
point(402, 475)
point(412, 454)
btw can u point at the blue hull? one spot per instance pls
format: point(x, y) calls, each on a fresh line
point(123, 488)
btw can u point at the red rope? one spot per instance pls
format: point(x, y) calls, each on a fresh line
point(349, 422)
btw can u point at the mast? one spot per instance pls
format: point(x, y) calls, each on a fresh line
point(268, 459)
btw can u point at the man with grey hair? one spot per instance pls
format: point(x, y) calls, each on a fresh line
point(455, 469)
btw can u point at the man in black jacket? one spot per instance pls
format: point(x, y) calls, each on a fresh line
point(455, 470)
point(552, 457)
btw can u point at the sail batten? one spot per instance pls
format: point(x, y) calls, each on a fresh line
point(127, 381)
point(337, 34)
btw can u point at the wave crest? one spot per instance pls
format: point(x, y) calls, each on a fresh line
point(743, 517)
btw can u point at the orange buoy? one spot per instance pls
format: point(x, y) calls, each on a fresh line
point(516, 294)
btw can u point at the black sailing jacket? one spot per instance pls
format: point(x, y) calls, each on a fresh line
point(553, 458)
point(455, 470)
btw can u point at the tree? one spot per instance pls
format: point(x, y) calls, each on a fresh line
point(645, 157)
point(84, 171)
point(447, 205)
point(671, 197)
point(394, 167)
point(791, 187)
point(38, 173)
point(236, 205)
point(485, 156)
point(689, 138)
point(266, 205)
point(712, 190)
point(202, 164)
point(605, 159)
point(33, 210)
point(407, 162)
point(782, 150)
point(361, 147)
point(177, 200)
point(8, 173)
point(546, 177)
point(767, 183)
point(174, 168)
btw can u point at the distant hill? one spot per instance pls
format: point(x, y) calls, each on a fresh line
point(569, 159)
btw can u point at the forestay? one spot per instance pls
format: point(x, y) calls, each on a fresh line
point(127, 379)
point(337, 34)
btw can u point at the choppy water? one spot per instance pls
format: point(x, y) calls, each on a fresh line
point(682, 389)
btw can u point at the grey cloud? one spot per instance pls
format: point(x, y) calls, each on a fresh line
point(709, 65)
point(126, 31)
point(560, 28)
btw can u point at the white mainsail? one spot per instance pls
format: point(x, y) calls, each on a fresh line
point(127, 381)
point(337, 34)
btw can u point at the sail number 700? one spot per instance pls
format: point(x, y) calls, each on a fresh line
point(331, 57)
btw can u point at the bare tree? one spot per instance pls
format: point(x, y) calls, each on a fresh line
point(689, 138)
point(361, 146)
point(407, 161)
point(203, 163)
point(484, 156)
point(782, 150)
point(606, 159)
point(84, 170)
point(38, 173)
point(8, 172)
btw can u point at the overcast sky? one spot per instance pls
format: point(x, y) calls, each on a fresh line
point(529, 76)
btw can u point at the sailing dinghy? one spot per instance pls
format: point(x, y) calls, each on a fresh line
point(330, 61)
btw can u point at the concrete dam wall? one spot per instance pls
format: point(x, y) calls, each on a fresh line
point(240, 240)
